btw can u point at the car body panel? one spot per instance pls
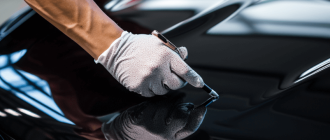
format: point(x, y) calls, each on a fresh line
point(253, 53)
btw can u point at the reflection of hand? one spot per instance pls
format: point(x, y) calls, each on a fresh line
point(143, 64)
point(160, 119)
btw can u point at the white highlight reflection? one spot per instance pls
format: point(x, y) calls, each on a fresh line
point(12, 112)
point(295, 30)
point(230, 28)
point(124, 4)
point(290, 11)
point(3, 61)
point(110, 4)
point(27, 112)
point(9, 75)
point(3, 114)
point(314, 70)
point(30, 76)
point(287, 18)
point(195, 5)
point(44, 109)
point(36, 94)
point(3, 85)
point(318, 66)
point(14, 57)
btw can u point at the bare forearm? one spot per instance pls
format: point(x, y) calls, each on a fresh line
point(82, 20)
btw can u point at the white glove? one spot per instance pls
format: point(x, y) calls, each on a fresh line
point(143, 64)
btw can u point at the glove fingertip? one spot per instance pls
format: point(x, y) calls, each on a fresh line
point(195, 79)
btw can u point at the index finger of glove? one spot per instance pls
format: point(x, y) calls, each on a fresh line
point(181, 68)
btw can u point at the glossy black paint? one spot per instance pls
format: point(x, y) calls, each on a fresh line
point(254, 73)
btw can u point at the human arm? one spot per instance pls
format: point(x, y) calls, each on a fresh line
point(142, 63)
point(81, 20)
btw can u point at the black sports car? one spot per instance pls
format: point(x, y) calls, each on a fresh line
point(267, 59)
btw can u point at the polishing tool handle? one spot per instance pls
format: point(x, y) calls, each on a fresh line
point(166, 41)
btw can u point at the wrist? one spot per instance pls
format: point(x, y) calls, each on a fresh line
point(108, 53)
point(110, 40)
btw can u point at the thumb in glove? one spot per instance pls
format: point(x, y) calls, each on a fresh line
point(183, 52)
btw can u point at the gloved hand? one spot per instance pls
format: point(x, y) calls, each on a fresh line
point(158, 119)
point(143, 64)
